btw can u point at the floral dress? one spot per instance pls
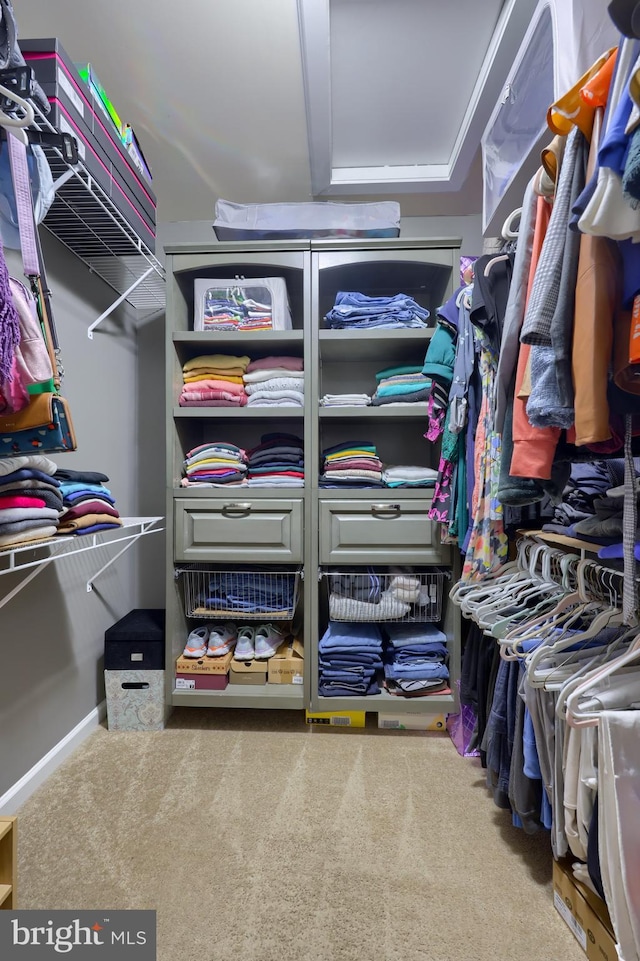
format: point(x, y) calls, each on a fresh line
point(488, 544)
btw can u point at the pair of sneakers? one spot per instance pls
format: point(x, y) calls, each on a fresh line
point(212, 640)
point(260, 644)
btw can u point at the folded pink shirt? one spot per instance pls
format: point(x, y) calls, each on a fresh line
point(266, 363)
point(16, 501)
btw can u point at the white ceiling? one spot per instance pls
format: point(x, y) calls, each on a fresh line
point(215, 91)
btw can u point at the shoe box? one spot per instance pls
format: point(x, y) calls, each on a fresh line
point(248, 672)
point(336, 718)
point(136, 641)
point(74, 111)
point(203, 673)
point(287, 664)
point(584, 913)
point(412, 722)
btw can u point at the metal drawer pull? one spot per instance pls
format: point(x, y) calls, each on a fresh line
point(385, 508)
point(244, 507)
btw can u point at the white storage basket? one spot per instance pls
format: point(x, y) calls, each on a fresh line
point(411, 597)
point(241, 304)
point(248, 595)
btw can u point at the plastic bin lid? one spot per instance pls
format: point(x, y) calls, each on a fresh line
point(142, 624)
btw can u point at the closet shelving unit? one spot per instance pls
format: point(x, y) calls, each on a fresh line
point(212, 527)
point(321, 530)
point(37, 555)
point(89, 224)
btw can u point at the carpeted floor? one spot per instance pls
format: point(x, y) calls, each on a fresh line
point(257, 838)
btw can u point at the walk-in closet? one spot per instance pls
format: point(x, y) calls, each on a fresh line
point(319, 479)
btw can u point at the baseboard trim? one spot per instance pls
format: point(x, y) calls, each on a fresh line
point(12, 799)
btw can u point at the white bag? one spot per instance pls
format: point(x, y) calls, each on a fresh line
point(241, 304)
point(306, 220)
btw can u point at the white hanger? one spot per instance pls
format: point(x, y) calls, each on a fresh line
point(508, 232)
point(16, 124)
point(577, 718)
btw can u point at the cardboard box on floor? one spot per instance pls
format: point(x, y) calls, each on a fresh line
point(584, 913)
point(204, 665)
point(412, 722)
point(337, 718)
point(287, 664)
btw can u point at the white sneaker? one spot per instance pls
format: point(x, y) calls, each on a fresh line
point(245, 650)
point(222, 639)
point(268, 639)
point(196, 645)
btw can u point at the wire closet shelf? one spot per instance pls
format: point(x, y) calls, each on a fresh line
point(248, 594)
point(85, 220)
point(372, 596)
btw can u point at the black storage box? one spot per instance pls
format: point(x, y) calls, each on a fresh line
point(136, 641)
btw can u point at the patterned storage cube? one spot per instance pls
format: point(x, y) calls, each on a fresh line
point(135, 700)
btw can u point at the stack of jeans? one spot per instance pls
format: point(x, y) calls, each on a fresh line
point(415, 660)
point(350, 655)
point(249, 593)
point(355, 311)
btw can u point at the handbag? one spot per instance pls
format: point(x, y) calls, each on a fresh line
point(44, 426)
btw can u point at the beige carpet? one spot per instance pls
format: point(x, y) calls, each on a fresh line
point(257, 838)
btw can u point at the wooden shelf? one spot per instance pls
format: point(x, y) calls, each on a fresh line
point(8, 862)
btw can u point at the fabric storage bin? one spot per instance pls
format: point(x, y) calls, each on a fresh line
point(245, 305)
point(306, 220)
point(136, 641)
point(135, 700)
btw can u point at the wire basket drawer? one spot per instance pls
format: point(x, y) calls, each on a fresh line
point(385, 597)
point(250, 595)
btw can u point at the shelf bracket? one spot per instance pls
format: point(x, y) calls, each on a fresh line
point(62, 179)
point(130, 542)
point(23, 583)
point(117, 302)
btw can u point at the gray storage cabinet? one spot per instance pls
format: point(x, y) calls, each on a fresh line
point(309, 530)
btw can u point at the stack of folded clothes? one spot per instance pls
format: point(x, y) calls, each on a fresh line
point(247, 593)
point(89, 505)
point(409, 476)
point(214, 380)
point(215, 464)
point(349, 659)
point(588, 511)
point(275, 382)
point(277, 461)
point(235, 312)
point(367, 597)
point(345, 400)
point(415, 660)
point(30, 499)
point(351, 464)
point(401, 385)
point(356, 311)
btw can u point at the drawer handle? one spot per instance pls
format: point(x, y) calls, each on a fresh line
point(240, 508)
point(385, 508)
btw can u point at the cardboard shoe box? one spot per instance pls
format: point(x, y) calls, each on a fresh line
point(287, 664)
point(248, 672)
point(204, 665)
point(412, 722)
point(337, 718)
point(201, 682)
point(584, 913)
